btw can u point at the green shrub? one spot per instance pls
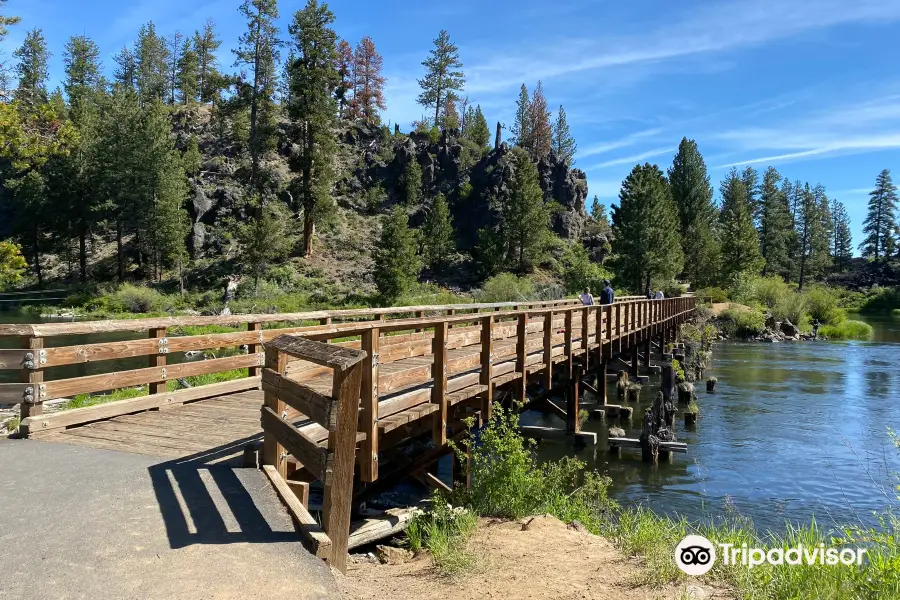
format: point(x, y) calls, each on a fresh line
point(743, 289)
point(716, 295)
point(505, 287)
point(848, 330)
point(792, 307)
point(579, 271)
point(130, 299)
point(822, 304)
point(743, 322)
point(882, 300)
point(770, 291)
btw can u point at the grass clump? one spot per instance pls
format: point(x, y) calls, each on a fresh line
point(848, 330)
point(445, 531)
point(506, 287)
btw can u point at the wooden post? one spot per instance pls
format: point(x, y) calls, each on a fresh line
point(487, 362)
point(602, 385)
point(159, 359)
point(634, 360)
point(572, 403)
point(439, 390)
point(567, 341)
point(273, 452)
point(369, 405)
point(618, 336)
point(548, 351)
point(585, 334)
point(340, 462)
point(521, 338)
point(254, 348)
point(34, 377)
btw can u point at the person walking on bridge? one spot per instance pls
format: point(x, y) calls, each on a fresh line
point(586, 298)
point(607, 295)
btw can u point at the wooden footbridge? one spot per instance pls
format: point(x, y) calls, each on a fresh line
point(331, 393)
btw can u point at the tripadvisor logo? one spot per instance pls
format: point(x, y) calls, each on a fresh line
point(696, 555)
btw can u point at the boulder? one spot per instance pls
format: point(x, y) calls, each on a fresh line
point(616, 432)
point(788, 329)
point(389, 555)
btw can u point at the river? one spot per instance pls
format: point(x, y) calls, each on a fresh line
point(793, 431)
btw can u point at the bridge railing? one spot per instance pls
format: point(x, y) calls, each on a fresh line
point(52, 363)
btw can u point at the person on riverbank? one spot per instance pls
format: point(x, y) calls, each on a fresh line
point(815, 326)
point(586, 298)
point(607, 295)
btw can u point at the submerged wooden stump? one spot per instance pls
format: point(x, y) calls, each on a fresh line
point(711, 384)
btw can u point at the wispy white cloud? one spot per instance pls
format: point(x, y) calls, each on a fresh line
point(631, 160)
point(629, 140)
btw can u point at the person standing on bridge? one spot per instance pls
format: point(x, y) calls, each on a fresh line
point(660, 295)
point(586, 298)
point(607, 295)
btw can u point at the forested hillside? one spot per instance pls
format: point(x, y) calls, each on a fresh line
point(183, 164)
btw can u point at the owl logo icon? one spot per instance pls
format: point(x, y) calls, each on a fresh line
point(695, 555)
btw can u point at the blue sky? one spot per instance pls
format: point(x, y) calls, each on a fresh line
point(811, 87)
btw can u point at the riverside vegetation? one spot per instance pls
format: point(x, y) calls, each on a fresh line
point(508, 482)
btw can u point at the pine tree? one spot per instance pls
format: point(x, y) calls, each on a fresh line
point(775, 225)
point(450, 118)
point(33, 69)
point(174, 48)
point(437, 234)
point(477, 130)
point(151, 65)
point(397, 266)
point(880, 225)
point(411, 182)
point(368, 81)
point(188, 77)
point(524, 217)
point(540, 140)
point(563, 143)
point(443, 75)
point(125, 73)
point(842, 248)
point(258, 50)
point(813, 234)
point(192, 160)
point(750, 179)
point(313, 109)
point(5, 21)
point(208, 77)
point(347, 107)
point(522, 125)
point(264, 241)
point(645, 224)
point(82, 62)
point(598, 211)
point(740, 243)
point(693, 197)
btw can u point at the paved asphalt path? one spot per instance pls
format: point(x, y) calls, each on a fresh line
point(95, 524)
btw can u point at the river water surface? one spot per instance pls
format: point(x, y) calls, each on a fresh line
point(793, 431)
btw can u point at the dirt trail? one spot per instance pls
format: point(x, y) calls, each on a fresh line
point(547, 561)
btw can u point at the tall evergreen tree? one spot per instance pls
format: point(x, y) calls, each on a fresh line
point(313, 109)
point(450, 117)
point(775, 225)
point(693, 197)
point(151, 58)
point(524, 217)
point(540, 140)
point(443, 75)
point(880, 225)
point(264, 241)
point(206, 44)
point(397, 266)
point(563, 143)
point(477, 130)
point(813, 225)
point(437, 234)
point(842, 246)
point(750, 179)
point(174, 48)
point(125, 73)
point(347, 108)
point(521, 127)
point(188, 77)
point(82, 62)
point(368, 80)
point(258, 50)
point(740, 247)
point(645, 224)
point(33, 70)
